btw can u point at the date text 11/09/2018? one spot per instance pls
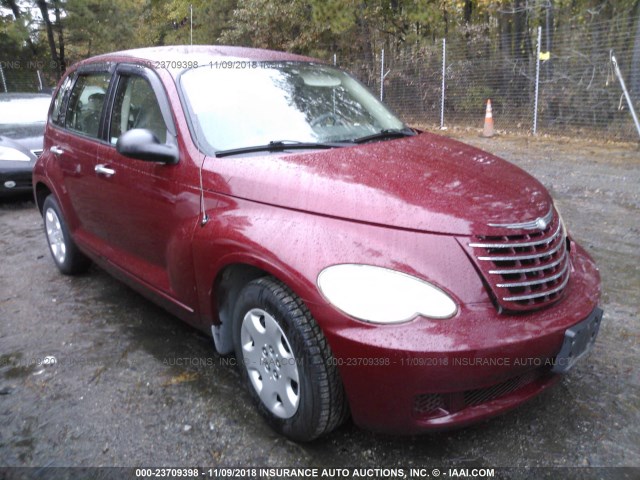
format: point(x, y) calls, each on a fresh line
point(220, 65)
point(252, 472)
point(244, 64)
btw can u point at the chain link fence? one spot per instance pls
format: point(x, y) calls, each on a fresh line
point(578, 91)
point(26, 75)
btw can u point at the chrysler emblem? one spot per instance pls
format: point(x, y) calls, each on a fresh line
point(541, 223)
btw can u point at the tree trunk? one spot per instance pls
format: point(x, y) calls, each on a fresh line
point(548, 35)
point(468, 11)
point(520, 24)
point(42, 5)
point(504, 24)
point(445, 18)
point(14, 8)
point(63, 63)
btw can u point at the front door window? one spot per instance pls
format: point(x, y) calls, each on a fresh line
point(136, 106)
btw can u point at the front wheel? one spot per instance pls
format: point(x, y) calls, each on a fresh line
point(64, 251)
point(286, 362)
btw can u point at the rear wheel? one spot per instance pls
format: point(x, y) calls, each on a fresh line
point(286, 362)
point(68, 258)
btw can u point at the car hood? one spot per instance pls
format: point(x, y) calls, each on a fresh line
point(29, 136)
point(24, 145)
point(425, 182)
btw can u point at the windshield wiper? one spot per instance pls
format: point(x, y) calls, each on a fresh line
point(278, 146)
point(386, 133)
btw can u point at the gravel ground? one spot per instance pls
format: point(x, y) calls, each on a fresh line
point(134, 386)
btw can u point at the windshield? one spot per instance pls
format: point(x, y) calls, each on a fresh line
point(21, 111)
point(283, 102)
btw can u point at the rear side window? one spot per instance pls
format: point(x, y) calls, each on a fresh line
point(57, 116)
point(86, 102)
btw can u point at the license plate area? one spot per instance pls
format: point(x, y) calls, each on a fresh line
point(578, 340)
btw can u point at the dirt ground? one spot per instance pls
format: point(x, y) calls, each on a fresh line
point(133, 386)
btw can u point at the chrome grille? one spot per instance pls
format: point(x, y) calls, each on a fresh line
point(527, 270)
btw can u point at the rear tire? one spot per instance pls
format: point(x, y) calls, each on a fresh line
point(66, 255)
point(286, 362)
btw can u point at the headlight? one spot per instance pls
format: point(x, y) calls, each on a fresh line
point(7, 153)
point(380, 295)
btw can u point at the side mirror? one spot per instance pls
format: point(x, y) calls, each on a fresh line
point(142, 144)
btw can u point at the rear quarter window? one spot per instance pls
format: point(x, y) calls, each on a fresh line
point(57, 116)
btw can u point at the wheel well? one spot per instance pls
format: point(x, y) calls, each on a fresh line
point(42, 192)
point(226, 289)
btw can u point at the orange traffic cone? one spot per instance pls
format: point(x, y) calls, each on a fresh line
point(487, 131)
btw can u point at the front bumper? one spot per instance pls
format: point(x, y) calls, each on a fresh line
point(436, 374)
point(15, 178)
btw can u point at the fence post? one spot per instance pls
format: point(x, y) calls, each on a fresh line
point(626, 93)
point(537, 87)
point(444, 63)
point(4, 81)
point(382, 75)
point(333, 90)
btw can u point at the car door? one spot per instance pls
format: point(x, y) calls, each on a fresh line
point(149, 210)
point(74, 140)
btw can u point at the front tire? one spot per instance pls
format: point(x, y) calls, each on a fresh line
point(66, 255)
point(286, 362)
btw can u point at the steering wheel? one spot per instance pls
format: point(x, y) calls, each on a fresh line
point(328, 119)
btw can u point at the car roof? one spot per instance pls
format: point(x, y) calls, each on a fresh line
point(8, 96)
point(202, 54)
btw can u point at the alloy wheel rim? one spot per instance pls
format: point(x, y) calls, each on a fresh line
point(55, 236)
point(270, 363)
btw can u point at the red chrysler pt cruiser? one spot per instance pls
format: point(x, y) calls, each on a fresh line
point(355, 266)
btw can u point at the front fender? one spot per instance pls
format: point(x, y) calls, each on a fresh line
point(296, 246)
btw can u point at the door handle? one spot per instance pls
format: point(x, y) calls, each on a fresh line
point(104, 170)
point(57, 150)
